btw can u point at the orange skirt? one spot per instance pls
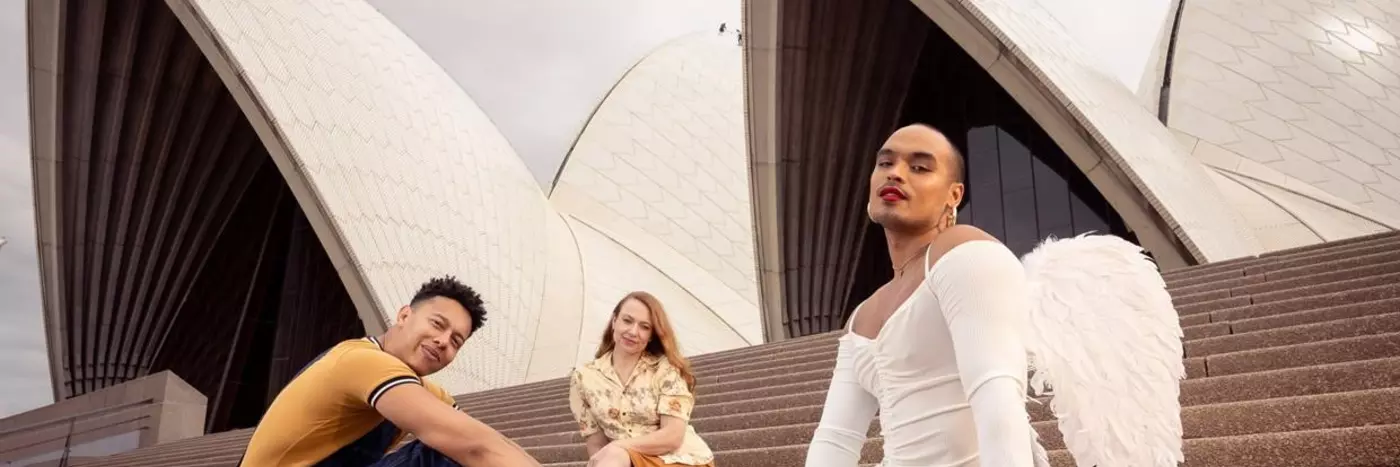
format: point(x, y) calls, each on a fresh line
point(644, 460)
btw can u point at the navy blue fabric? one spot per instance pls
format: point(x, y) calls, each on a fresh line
point(364, 451)
point(415, 454)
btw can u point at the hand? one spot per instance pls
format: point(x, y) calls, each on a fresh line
point(610, 451)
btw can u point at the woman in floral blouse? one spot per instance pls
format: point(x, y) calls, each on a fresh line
point(633, 402)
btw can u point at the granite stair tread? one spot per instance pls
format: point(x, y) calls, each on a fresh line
point(1292, 358)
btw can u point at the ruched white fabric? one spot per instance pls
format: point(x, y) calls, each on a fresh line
point(946, 372)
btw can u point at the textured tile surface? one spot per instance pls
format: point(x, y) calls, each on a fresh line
point(1298, 102)
point(661, 168)
point(612, 270)
point(416, 182)
point(1128, 137)
point(410, 172)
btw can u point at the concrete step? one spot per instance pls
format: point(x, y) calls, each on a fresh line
point(1370, 446)
point(1341, 350)
point(1227, 269)
point(1277, 384)
point(1292, 358)
point(1262, 318)
point(1235, 307)
point(793, 346)
point(1246, 338)
point(820, 354)
point(788, 406)
point(1296, 299)
point(708, 371)
point(1375, 274)
point(1361, 446)
point(706, 377)
point(1355, 245)
point(1339, 410)
point(214, 447)
point(816, 372)
point(1273, 271)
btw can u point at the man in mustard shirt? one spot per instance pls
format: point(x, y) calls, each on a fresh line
point(356, 401)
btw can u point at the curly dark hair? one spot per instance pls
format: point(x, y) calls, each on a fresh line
point(448, 287)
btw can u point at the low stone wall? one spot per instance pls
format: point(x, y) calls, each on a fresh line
point(140, 413)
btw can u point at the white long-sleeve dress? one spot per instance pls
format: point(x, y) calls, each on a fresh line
point(947, 372)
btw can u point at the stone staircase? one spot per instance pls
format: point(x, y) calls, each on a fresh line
point(1293, 359)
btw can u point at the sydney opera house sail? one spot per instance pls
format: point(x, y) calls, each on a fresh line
point(1069, 124)
point(171, 240)
point(225, 188)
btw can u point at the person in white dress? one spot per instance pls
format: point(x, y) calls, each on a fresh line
point(941, 352)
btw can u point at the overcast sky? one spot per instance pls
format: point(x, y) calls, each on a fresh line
point(24, 383)
point(536, 67)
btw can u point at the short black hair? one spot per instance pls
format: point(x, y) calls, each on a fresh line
point(959, 162)
point(959, 165)
point(450, 288)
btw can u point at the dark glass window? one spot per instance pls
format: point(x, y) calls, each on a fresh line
point(1021, 187)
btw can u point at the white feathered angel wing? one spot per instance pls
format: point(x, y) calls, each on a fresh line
point(1105, 338)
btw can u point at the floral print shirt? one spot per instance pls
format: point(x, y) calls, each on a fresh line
point(601, 401)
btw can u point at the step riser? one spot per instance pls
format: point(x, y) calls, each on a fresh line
point(1289, 414)
point(703, 380)
point(1239, 307)
point(703, 371)
point(1340, 377)
point(1331, 276)
point(702, 383)
point(1192, 333)
point(1288, 355)
point(1293, 335)
point(1355, 246)
point(818, 371)
point(1336, 310)
point(697, 362)
point(1289, 382)
point(1264, 290)
point(1317, 256)
point(1303, 380)
point(1288, 270)
point(1292, 414)
point(1306, 376)
point(1318, 353)
point(1229, 323)
point(730, 356)
point(1293, 300)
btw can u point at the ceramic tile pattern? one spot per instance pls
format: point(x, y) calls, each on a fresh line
point(1290, 93)
point(1286, 109)
point(418, 182)
point(666, 150)
point(662, 168)
point(612, 271)
point(411, 173)
point(1131, 139)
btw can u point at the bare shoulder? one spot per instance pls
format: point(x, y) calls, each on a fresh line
point(954, 236)
point(960, 234)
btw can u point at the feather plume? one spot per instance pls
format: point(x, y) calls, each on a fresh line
point(1106, 342)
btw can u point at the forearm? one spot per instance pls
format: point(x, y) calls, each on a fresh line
point(471, 443)
point(656, 443)
point(846, 417)
point(595, 442)
point(1003, 432)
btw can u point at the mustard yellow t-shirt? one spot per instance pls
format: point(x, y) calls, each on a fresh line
point(326, 413)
